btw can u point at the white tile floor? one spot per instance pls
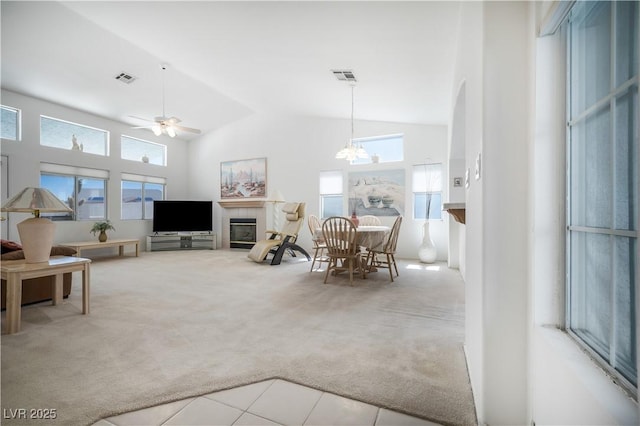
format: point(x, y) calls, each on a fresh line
point(272, 402)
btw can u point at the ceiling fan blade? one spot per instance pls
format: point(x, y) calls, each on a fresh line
point(187, 129)
point(140, 118)
point(142, 127)
point(173, 120)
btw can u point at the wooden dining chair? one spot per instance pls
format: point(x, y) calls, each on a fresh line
point(340, 236)
point(385, 258)
point(369, 220)
point(319, 246)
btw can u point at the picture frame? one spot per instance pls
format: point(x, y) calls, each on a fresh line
point(242, 179)
point(377, 193)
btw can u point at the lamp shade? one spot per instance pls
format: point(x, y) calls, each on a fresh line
point(35, 200)
point(36, 233)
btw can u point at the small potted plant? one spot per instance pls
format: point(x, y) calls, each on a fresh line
point(102, 228)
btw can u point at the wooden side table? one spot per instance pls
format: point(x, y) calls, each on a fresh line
point(14, 271)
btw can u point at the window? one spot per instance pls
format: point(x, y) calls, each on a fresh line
point(83, 190)
point(10, 123)
point(330, 193)
point(427, 191)
point(602, 182)
point(381, 149)
point(65, 135)
point(141, 150)
point(138, 195)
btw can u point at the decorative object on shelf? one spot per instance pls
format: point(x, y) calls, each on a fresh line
point(243, 178)
point(102, 228)
point(375, 158)
point(145, 158)
point(36, 233)
point(352, 151)
point(74, 144)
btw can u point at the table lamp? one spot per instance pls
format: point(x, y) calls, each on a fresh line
point(36, 233)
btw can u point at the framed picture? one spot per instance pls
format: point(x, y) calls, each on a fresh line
point(243, 178)
point(378, 193)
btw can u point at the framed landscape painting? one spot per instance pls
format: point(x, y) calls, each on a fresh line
point(243, 178)
point(378, 193)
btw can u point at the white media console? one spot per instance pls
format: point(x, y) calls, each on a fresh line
point(179, 241)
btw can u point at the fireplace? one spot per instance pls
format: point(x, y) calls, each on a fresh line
point(242, 232)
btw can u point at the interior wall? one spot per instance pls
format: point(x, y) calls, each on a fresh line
point(468, 71)
point(25, 156)
point(298, 148)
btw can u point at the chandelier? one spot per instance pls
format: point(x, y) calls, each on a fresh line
point(351, 150)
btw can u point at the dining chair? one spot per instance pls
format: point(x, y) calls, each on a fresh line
point(340, 236)
point(385, 258)
point(319, 246)
point(369, 220)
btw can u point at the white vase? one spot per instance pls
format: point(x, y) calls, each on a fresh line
point(427, 252)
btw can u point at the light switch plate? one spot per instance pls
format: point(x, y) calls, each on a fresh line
point(478, 166)
point(467, 180)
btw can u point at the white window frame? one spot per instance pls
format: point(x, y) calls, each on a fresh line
point(144, 157)
point(427, 179)
point(143, 180)
point(80, 147)
point(331, 185)
point(374, 156)
point(18, 129)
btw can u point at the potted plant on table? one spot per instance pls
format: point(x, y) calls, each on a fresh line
point(102, 228)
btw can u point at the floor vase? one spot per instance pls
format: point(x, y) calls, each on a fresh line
point(427, 252)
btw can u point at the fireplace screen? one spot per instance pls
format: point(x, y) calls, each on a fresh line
point(242, 232)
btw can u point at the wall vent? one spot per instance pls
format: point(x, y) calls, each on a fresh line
point(344, 75)
point(125, 78)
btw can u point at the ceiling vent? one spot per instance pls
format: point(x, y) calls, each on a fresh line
point(344, 75)
point(125, 78)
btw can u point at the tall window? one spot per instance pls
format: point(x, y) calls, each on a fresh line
point(138, 195)
point(427, 191)
point(9, 123)
point(140, 150)
point(66, 135)
point(330, 193)
point(83, 190)
point(381, 149)
point(602, 182)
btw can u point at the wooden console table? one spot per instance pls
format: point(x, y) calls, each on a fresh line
point(86, 245)
point(14, 271)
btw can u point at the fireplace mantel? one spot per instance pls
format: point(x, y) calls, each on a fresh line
point(241, 204)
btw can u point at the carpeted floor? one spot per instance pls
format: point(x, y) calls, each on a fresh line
point(170, 325)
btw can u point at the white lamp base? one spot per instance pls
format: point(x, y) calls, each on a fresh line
point(36, 237)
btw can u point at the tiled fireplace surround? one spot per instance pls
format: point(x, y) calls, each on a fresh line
point(243, 209)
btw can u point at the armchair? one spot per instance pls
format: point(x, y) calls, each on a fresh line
point(279, 242)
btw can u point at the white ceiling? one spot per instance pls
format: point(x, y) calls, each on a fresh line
point(228, 60)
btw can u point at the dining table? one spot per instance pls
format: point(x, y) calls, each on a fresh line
point(372, 237)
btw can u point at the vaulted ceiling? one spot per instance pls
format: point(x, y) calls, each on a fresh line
point(227, 60)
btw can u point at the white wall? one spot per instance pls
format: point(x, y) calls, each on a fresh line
point(298, 148)
point(26, 155)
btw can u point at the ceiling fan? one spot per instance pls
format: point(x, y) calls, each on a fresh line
point(164, 124)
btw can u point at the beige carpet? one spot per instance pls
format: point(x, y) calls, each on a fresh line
point(170, 325)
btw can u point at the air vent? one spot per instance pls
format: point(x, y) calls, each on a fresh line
point(344, 75)
point(125, 78)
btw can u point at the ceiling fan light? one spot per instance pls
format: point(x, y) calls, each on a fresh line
point(171, 131)
point(157, 130)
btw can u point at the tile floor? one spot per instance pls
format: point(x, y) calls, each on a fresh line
point(272, 402)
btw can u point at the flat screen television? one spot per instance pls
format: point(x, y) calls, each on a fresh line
point(182, 216)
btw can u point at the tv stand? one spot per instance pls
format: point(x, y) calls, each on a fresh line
point(181, 241)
